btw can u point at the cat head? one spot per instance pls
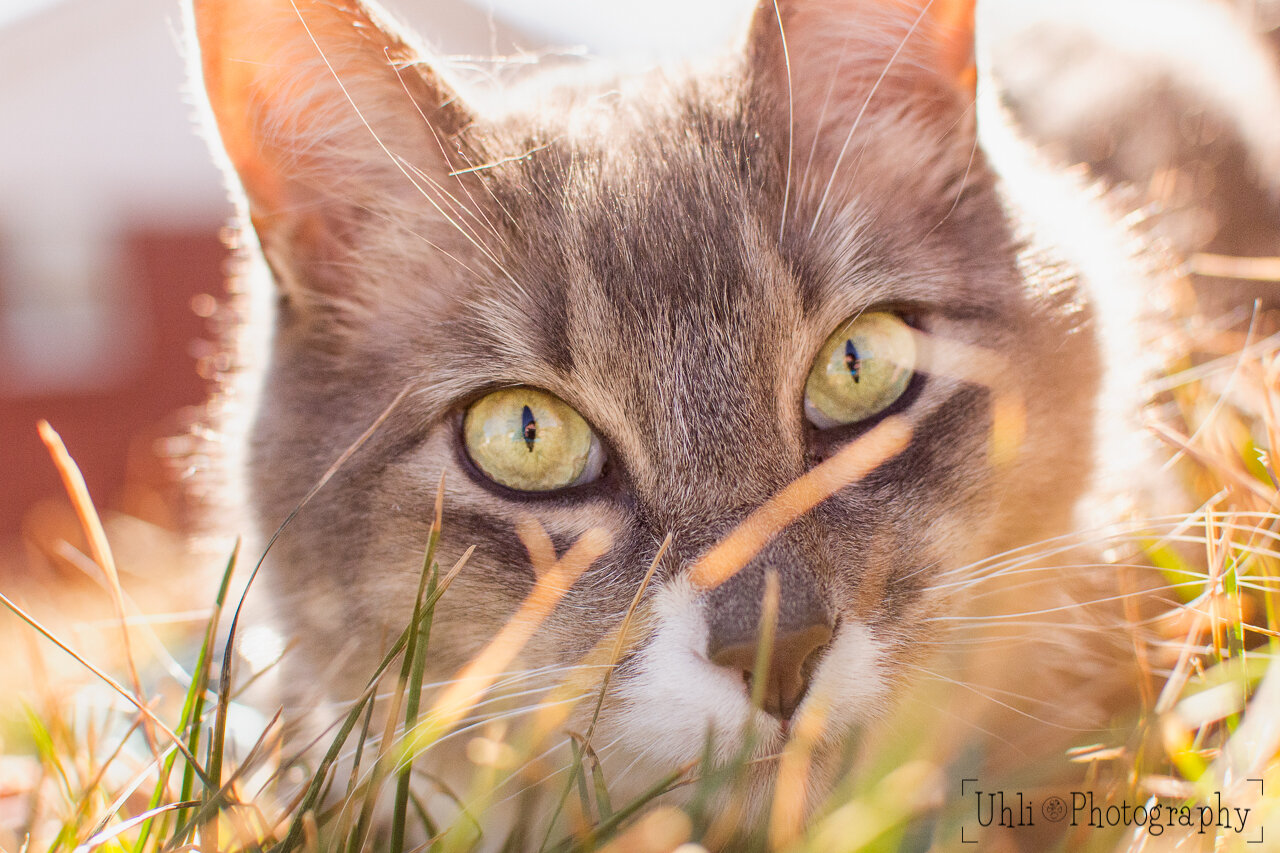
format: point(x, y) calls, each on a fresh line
point(648, 307)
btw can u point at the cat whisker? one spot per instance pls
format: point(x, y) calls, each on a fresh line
point(375, 740)
point(1039, 577)
point(791, 119)
point(457, 206)
point(968, 723)
point(1061, 638)
point(471, 723)
point(987, 691)
point(404, 741)
point(981, 631)
point(1136, 595)
point(1097, 621)
point(478, 211)
point(973, 576)
point(479, 712)
point(1030, 566)
point(857, 121)
point(1200, 372)
point(964, 180)
point(1029, 570)
point(984, 570)
point(986, 694)
point(501, 692)
point(501, 161)
point(521, 771)
point(822, 114)
point(472, 238)
point(641, 755)
point(511, 218)
point(505, 680)
point(559, 769)
point(1113, 533)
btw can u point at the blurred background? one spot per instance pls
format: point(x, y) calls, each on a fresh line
point(112, 263)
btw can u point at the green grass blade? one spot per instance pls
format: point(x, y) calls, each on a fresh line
point(607, 827)
point(192, 710)
point(317, 784)
point(416, 657)
point(603, 807)
point(584, 799)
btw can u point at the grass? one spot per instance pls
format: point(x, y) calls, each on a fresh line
point(158, 757)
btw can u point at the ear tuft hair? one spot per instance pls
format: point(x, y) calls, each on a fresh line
point(327, 116)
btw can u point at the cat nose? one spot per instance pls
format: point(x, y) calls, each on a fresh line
point(804, 624)
point(788, 665)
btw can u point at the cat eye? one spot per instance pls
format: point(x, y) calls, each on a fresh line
point(531, 441)
point(861, 370)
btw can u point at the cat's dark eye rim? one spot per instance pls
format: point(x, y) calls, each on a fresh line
point(603, 486)
point(842, 433)
point(827, 441)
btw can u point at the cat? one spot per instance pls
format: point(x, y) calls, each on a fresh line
point(623, 317)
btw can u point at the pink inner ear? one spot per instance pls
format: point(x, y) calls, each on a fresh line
point(250, 58)
point(307, 90)
point(955, 23)
point(320, 108)
point(948, 24)
point(864, 34)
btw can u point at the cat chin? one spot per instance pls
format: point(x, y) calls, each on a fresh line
point(674, 704)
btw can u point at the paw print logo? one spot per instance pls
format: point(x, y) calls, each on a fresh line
point(1054, 809)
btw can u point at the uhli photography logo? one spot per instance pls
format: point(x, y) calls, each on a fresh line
point(1014, 810)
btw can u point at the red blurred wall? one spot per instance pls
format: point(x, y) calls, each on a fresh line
point(115, 433)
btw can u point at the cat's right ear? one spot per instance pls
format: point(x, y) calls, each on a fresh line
point(329, 122)
point(838, 61)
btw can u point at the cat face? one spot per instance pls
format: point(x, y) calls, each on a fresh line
point(640, 308)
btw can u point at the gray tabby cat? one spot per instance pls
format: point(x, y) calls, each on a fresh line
point(647, 307)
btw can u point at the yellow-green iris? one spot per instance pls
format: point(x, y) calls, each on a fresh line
point(861, 370)
point(527, 439)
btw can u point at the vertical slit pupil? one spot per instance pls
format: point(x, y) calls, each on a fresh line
point(529, 428)
point(851, 360)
